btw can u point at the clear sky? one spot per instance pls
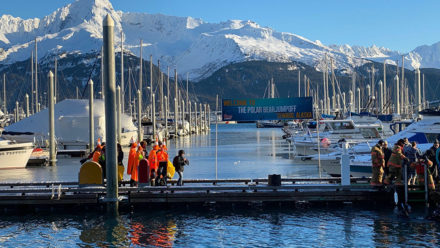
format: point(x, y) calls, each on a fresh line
point(399, 25)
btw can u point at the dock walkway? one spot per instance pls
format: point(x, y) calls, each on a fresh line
point(200, 191)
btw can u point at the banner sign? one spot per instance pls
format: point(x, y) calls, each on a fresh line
point(267, 109)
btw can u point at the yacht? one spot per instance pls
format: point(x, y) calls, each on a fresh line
point(425, 132)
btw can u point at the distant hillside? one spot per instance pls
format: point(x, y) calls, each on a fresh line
point(246, 79)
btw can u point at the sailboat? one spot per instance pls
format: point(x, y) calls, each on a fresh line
point(270, 123)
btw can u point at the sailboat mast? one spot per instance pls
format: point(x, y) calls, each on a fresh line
point(140, 75)
point(32, 82)
point(36, 77)
point(122, 74)
point(102, 72)
point(56, 81)
point(299, 82)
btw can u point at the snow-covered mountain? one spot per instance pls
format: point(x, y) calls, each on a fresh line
point(188, 44)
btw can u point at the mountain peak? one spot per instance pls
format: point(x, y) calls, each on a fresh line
point(91, 4)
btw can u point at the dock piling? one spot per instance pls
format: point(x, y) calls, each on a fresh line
point(27, 104)
point(345, 166)
point(110, 116)
point(91, 118)
point(52, 154)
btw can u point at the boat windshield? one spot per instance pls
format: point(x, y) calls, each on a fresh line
point(341, 125)
point(432, 137)
point(369, 133)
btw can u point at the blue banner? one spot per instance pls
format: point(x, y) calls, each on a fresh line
point(267, 109)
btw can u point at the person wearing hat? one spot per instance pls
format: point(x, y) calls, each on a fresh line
point(395, 164)
point(179, 162)
point(378, 162)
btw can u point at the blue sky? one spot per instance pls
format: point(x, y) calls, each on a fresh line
point(399, 25)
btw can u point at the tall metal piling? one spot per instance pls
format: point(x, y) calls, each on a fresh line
point(110, 116)
point(27, 104)
point(52, 153)
point(91, 118)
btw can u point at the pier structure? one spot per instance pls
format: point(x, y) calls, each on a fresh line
point(195, 191)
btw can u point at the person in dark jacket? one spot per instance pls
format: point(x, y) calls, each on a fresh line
point(179, 162)
point(387, 152)
point(120, 154)
point(431, 155)
point(412, 153)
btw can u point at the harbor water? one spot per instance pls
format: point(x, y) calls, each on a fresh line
point(243, 152)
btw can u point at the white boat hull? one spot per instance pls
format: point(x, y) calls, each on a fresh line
point(15, 155)
point(356, 169)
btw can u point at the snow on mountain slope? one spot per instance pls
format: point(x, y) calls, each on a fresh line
point(428, 56)
point(188, 44)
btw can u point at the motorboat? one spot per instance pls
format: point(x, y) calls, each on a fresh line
point(332, 133)
point(425, 132)
point(270, 124)
point(14, 155)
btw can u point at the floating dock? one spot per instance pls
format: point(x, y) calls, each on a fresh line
point(46, 195)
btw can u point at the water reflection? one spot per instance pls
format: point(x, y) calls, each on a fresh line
point(309, 227)
point(105, 231)
point(153, 233)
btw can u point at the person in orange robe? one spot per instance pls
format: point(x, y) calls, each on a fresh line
point(154, 163)
point(97, 153)
point(135, 167)
point(131, 157)
point(131, 162)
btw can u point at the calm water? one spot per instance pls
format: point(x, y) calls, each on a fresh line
point(244, 152)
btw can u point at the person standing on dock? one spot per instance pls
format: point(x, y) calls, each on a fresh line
point(378, 160)
point(96, 154)
point(154, 164)
point(135, 167)
point(431, 155)
point(387, 153)
point(131, 159)
point(120, 164)
point(179, 162)
point(101, 160)
point(144, 147)
point(162, 158)
point(395, 164)
point(420, 169)
point(411, 152)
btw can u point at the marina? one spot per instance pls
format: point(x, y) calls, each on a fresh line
point(126, 129)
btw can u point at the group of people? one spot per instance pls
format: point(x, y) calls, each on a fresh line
point(157, 161)
point(98, 156)
point(388, 164)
